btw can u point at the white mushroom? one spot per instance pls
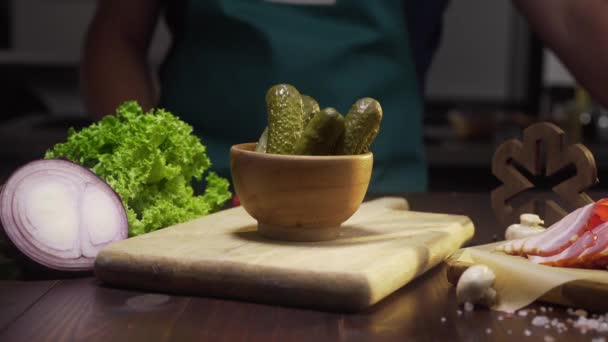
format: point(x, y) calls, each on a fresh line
point(530, 220)
point(475, 286)
point(529, 224)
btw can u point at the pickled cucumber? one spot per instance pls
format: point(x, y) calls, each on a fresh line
point(362, 124)
point(311, 107)
point(321, 134)
point(285, 111)
point(262, 144)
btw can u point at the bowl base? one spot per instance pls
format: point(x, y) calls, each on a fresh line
point(298, 234)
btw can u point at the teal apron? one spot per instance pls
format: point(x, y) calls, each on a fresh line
point(227, 53)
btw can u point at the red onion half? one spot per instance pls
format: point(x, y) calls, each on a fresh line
point(60, 214)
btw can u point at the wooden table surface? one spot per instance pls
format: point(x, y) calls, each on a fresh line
point(424, 310)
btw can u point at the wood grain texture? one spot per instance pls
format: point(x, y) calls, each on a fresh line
point(380, 249)
point(17, 296)
point(299, 198)
point(413, 313)
point(81, 310)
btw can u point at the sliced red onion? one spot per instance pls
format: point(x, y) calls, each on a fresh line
point(60, 214)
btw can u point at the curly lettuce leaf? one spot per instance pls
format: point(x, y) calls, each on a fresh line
point(150, 160)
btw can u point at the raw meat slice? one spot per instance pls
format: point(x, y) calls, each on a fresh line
point(561, 235)
point(599, 250)
point(556, 238)
point(572, 255)
point(578, 240)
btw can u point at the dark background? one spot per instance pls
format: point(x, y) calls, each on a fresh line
point(490, 79)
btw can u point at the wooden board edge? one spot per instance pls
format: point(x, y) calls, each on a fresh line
point(465, 225)
point(240, 287)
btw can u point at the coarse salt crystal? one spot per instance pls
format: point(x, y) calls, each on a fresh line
point(543, 309)
point(585, 323)
point(468, 306)
point(500, 318)
point(549, 338)
point(459, 312)
point(582, 321)
point(598, 339)
point(443, 319)
point(522, 313)
point(581, 313)
point(488, 331)
point(539, 321)
point(527, 332)
point(509, 332)
point(550, 309)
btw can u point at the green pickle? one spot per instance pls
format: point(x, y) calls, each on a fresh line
point(285, 111)
point(262, 144)
point(362, 124)
point(296, 125)
point(321, 134)
point(311, 107)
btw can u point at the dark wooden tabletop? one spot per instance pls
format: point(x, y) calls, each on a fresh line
point(424, 310)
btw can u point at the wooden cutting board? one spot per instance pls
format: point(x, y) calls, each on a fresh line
point(380, 249)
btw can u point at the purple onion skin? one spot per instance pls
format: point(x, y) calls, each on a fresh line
point(32, 270)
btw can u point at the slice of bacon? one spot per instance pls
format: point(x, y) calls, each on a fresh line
point(578, 240)
point(573, 255)
point(513, 246)
point(555, 239)
point(566, 232)
point(598, 251)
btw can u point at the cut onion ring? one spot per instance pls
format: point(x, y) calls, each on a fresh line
point(60, 214)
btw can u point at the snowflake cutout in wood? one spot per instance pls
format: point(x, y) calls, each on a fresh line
point(542, 153)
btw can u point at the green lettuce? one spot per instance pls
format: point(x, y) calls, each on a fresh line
point(150, 160)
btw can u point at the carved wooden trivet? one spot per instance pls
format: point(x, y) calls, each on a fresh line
point(542, 152)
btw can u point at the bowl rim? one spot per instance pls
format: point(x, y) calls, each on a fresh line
point(241, 148)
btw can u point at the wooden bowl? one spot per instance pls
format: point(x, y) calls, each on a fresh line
point(299, 198)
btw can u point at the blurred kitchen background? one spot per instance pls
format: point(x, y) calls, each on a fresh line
point(491, 78)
